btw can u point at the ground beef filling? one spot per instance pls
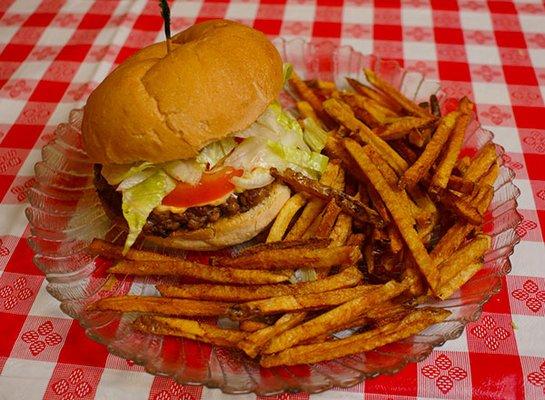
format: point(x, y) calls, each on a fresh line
point(162, 223)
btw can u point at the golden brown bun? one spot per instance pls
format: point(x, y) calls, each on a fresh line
point(219, 77)
point(232, 230)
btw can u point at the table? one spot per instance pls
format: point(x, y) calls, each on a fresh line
point(53, 52)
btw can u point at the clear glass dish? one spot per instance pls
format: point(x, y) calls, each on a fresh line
point(65, 215)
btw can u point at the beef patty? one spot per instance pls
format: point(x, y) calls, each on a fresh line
point(162, 223)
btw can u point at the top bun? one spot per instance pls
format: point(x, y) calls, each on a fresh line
point(219, 77)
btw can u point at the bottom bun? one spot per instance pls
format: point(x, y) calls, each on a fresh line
point(231, 230)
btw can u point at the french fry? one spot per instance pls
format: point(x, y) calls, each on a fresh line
point(413, 323)
point(349, 205)
point(395, 94)
point(327, 220)
point(299, 302)
point(451, 241)
point(404, 150)
point(402, 126)
point(284, 217)
point(355, 239)
point(378, 204)
point(253, 343)
point(228, 293)
point(306, 111)
point(490, 176)
point(416, 138)
point(330, 321)
point(461, 266)
point(292, 258)
point(435, 108)
point(459, 184)
point(367, 110)
point(481, 163)
point(444, 169)
point(160, 305)
point(417, 171)
point(373, 94)
point(314, 206)
point(114, 252)
point(198, 271)
point(287, 244)
point(399, 214)
point(186, 328)
point(341, 230)
point(396, 242)
point(250, 325)
point(462, 164)
point(334, 148)
point(483, 198)
point(342, 113)
point(461, 207)
point(306, 94)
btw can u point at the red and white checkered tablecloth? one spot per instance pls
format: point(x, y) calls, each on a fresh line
point(53, 52)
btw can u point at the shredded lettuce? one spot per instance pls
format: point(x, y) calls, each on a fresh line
point(115, 173)
point(309, 160)
point(135, 179)
point(215, 151)
point(189, 171)
point(314, 135)
point(140, 200)
point(285, 127)
point(287, 70)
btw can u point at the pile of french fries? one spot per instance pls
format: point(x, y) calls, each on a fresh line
point(395, 219)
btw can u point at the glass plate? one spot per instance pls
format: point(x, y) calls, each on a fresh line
point(65, 215)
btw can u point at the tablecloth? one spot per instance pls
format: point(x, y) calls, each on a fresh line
point(52, 54)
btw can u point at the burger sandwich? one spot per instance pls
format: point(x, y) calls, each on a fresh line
point(183, 140)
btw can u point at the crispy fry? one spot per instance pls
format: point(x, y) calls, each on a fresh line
point(404, 150)
point(378, 204)
point(490, 177)
point(330, 321)
point(114, 252)
point(402, 127)
point(198, 271)
point(413, 323)
point(160, 305)
point(284, 217)
point(299, 302)
point(287, 244)
point(481, 163)
point(341, 230)
point(399, 214)
point(462, 164)
point(416, 138)
point(396, 242)
point(334, 148)
point(342, 113)
point(314, 206)
point(444, 169)
point(459, 184)
point(373, 94)
point(327, 220)
point(306, 94)
point(250, 325)
point(462, 265)
point(254, 342)
point(417, 171)
point(348, 204)
point(435, 108)
point(355, 239)
point(367, 110)
point(346, 278)
point(461, 207)
point(292, 258)
point(451, 241)
point(306, 111)
point(483, 198)
point(395, 94)
point(195, 330)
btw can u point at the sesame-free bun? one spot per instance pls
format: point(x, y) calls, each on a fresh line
point(219, 77)
point(230, 230)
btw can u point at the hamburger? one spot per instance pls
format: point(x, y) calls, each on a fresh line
point(183, 141)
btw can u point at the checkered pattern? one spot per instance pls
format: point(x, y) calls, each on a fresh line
point(52, 54)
